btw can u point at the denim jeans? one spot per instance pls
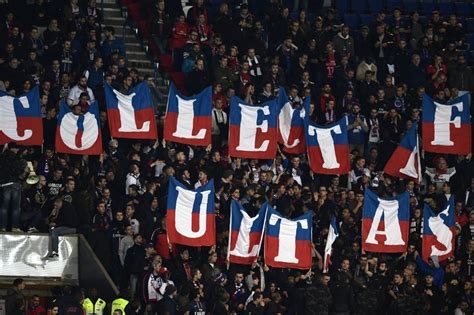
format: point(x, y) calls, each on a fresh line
point(31, 219)
point(11, 196)
point(56, 233)
point(133, 285)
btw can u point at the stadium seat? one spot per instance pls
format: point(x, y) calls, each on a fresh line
point(178, 80)
point(352, 20)
point(470, 40)
point(446, 8)
point(134, 9)
point(342, 6)
point(375, 6)
point(470, 56)
point(143, 28)
point(424, 20)
point(392, 4)
point(153, 49)
point(359, 6)
point(463, 8)
point(366, 19)
point(427, 8)
point(166, 62)
point(410, 6)
point(294, 15)
point(469, 23)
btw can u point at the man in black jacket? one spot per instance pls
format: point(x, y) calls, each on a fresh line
point(317, 297)
point(197, 79)
point(134, 262)
point(62, 220)
point(15, 300)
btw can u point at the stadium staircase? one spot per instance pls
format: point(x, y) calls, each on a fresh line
point(139, 55)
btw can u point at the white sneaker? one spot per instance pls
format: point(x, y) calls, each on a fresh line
point(33, 230)
point(53, 254)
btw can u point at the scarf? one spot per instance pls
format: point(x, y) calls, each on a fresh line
point(154, 284)
point(187, 270)
point(374, 130)
point(266, 94)
point(329, 115)
point(254, 67)
point(342, 36)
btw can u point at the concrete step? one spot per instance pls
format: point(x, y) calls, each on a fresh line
point(139, 62)
point(145, 71)
point(111, 19)
point(113, 12)
point(139, 55)
point(133, 48)
point(136, 55)
point(117, 26)
point(110, 5)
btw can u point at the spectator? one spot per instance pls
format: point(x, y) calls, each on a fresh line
point(62, 220)
point(357, 127)
point(343, 42)
point(75, 93)
point(133, 265)
point(15, 299)
point(112, 44)
point(35, 307)
point(160, 26)
point(461, 76)
point(375, 75)
point(169, 303)
point(198, 78)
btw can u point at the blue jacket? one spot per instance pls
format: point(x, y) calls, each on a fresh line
point(109, 46)
point(356, 135)
point(438, 273)
point(95, 77)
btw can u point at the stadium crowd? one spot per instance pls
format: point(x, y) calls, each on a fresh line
point(376, 75)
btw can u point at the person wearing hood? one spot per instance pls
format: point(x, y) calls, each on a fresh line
point(367, 64)
point(343, 42)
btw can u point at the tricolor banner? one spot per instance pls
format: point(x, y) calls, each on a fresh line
point(385, 223)
point(332, 235)
point(291, 124)
point(246, 234)
point(288, 242)
point(405, 161)
point(328, 147)
point(191, 216)
point(189, 119)
point(447, 127)
point(20, 118)
point(79, 134)
point(253, 129)
point(131, 115)
point(439, 232)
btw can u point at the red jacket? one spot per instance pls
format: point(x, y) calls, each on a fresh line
point(37, 310)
